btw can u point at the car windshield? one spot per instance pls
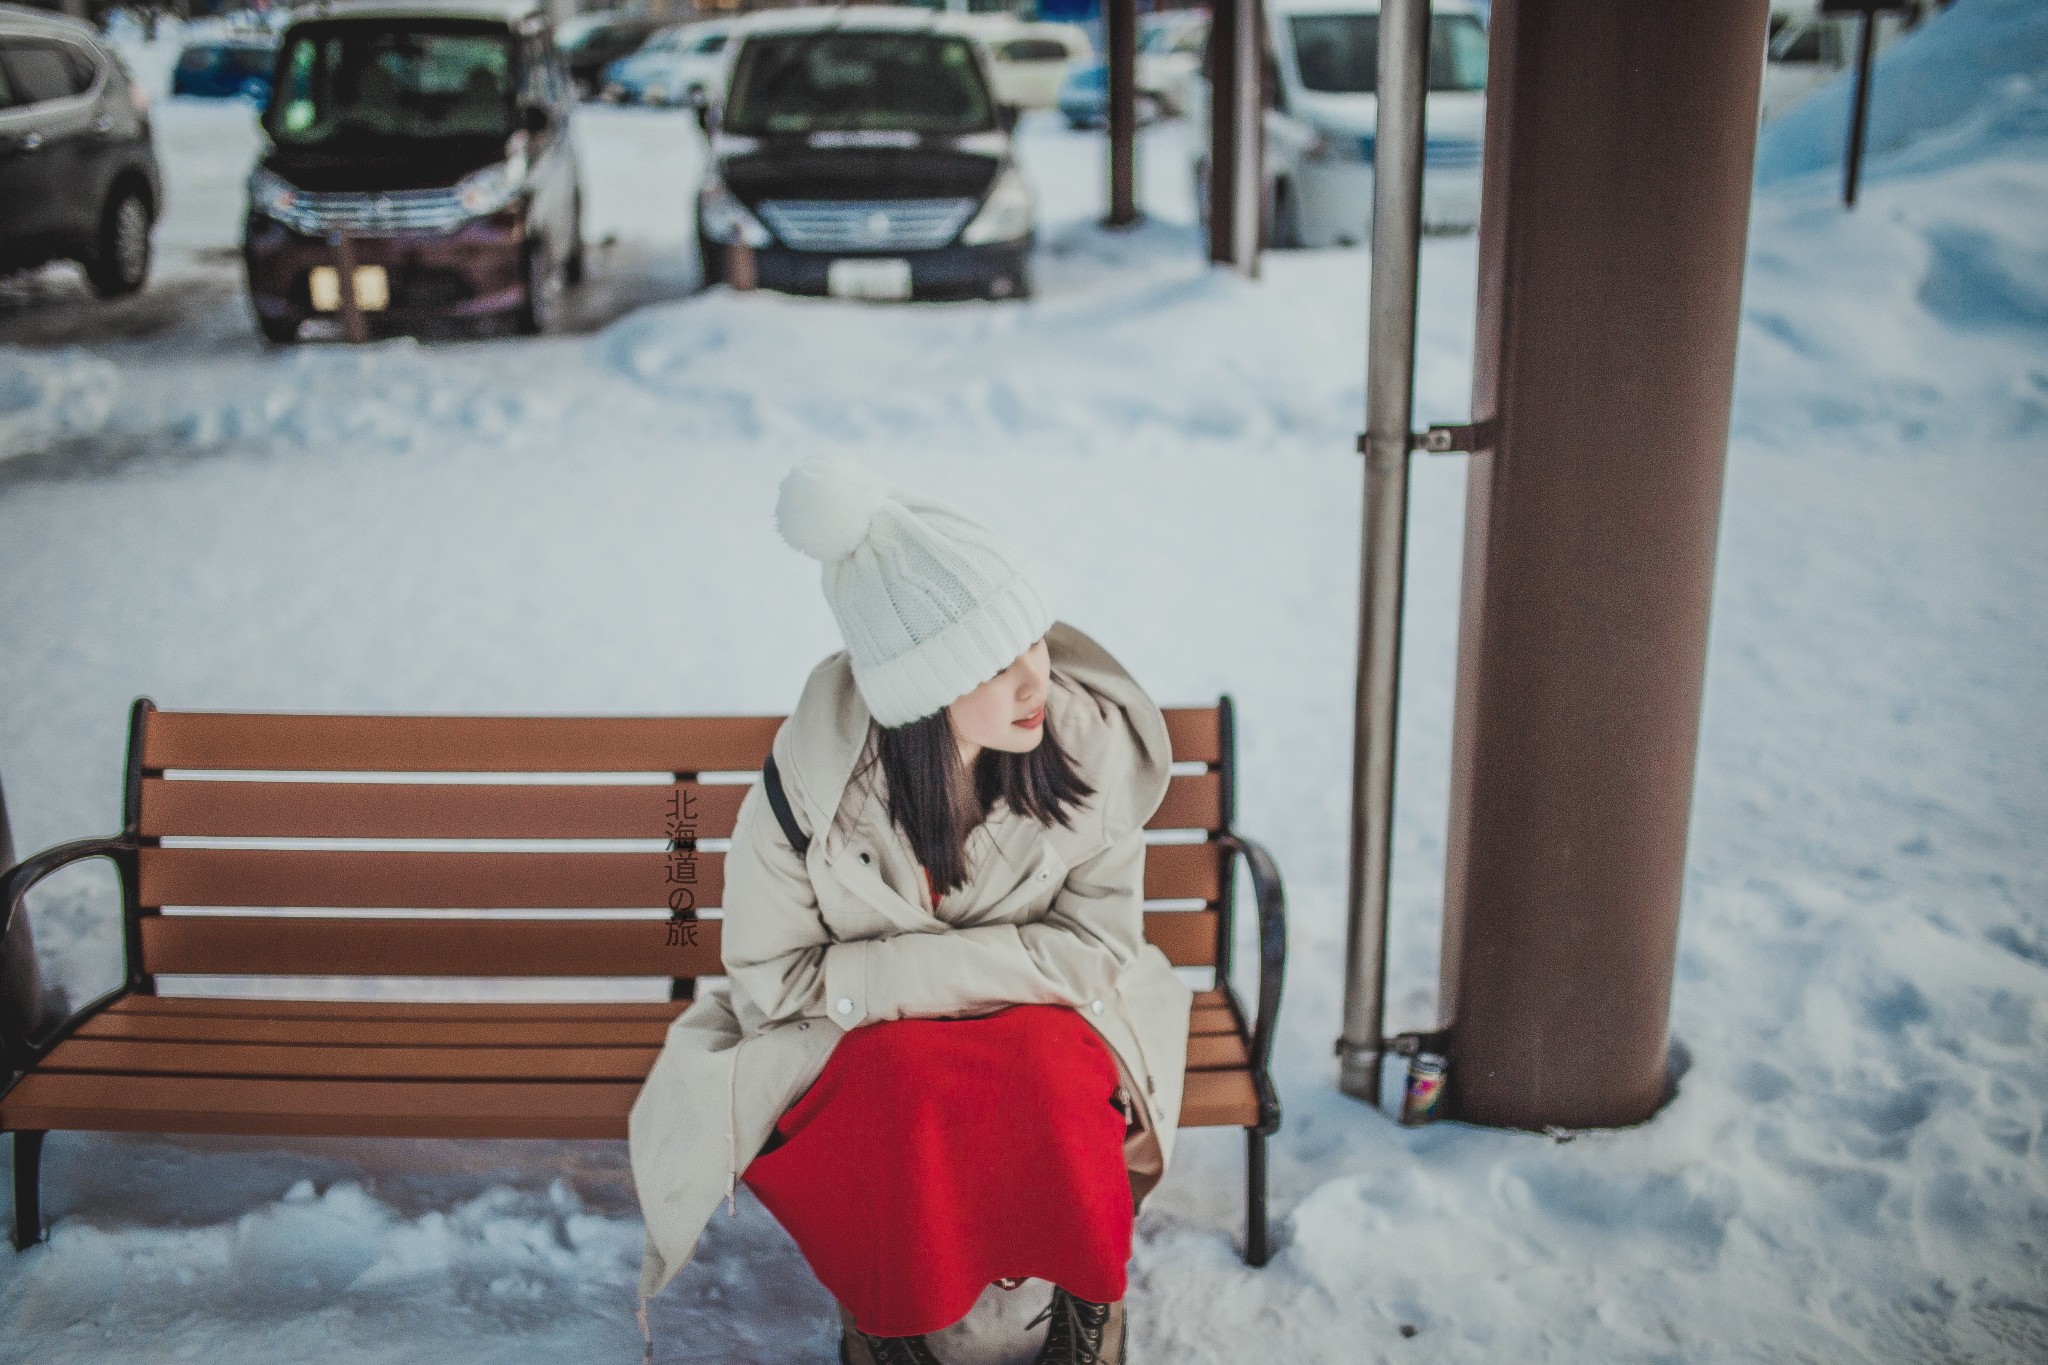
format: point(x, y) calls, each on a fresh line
point(1339, 54)
point(417, 81)
point(808, 82)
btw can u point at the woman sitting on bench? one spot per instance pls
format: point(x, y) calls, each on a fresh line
point(947, 1054)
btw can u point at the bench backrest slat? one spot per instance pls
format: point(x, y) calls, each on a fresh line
point(500, 810)
point(445, 910)
point(275, 741)
point(287, 945)
point(504, 881)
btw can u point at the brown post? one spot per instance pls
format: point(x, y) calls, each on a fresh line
point(1236, 133)
point(345, 272)
point(1121, 20)
point(1620, 141)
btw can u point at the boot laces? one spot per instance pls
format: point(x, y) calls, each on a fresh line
point(899, 1350)
point(1075, 1337)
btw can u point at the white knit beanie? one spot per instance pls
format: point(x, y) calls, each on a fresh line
point(932, 603)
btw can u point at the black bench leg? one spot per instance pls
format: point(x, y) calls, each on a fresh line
point(1256, 1249)
point(28, 1212)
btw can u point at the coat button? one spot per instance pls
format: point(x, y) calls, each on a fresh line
point(1095, 1005)
point(1043, 874)
point(863, 857)
point(845, 1006)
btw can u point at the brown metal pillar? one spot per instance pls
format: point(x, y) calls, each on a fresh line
point(1121, 21)
point(1620, 139)
point(1236, 133)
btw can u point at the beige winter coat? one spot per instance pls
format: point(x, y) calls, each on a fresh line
point(846, 936)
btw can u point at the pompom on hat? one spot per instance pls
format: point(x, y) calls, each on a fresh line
point(932, 603)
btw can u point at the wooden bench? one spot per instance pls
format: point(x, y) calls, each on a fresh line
point(198, 899)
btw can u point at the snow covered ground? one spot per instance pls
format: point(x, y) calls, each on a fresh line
point(1854, 1168)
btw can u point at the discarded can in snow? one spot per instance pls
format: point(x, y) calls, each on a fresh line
point(1425, 1098)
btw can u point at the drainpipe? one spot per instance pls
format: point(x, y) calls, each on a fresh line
point(1389, 413)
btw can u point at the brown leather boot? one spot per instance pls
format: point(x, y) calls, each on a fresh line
point(858, 1348)
point(1082, 1333)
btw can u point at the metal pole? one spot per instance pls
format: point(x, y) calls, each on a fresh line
point(1249, 201)
point(1859, 110)
point(1121, 17)
point(1620, 144)
point(1389, 415)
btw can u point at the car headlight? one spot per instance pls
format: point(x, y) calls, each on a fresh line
point(1006, 215)
point(724, 219)
point(273, 196)
point(484, 192)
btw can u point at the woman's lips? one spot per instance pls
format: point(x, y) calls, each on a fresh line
point(1032, 721)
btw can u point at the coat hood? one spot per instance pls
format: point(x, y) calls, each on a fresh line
point(1112, 730)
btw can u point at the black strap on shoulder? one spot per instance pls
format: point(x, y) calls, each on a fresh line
point(784, 816)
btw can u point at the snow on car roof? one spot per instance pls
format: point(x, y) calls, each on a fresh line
point(856, 18)
point(511, 11)
point(1361, 7)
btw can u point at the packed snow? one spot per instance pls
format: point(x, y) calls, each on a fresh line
point(1854, 1166)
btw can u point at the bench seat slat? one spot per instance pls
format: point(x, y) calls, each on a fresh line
point(386, 1032)
point(192, 807)
point(348, 1058)
point(288, 945)
point(261, 1106)
point(347, 1061)
point(374, 880)
point(510, 1011)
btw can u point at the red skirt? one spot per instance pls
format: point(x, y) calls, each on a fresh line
point(933, 1157)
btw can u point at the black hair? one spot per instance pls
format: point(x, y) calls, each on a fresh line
point(938, 803)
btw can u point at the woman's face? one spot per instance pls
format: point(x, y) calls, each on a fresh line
point(989, 717)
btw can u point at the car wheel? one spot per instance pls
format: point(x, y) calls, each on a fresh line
point(543, 290)
point(710, 262)
point(574, 268)
point(1284, 231)
point(120, 260)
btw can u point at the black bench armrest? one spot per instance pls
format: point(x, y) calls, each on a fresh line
point(1272, 903)
point(20, 982)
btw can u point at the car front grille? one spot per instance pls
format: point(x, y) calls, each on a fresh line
point(392, 211)
point(866, 224)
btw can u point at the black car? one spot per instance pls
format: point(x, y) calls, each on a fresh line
point(78, 172)
point(597, 42)
point(862, 153)
point(419, 171)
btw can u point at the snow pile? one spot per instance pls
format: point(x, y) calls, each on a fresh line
point(337, 1271)
point(46, 397)
point(1969, 83)
point(1933, 293)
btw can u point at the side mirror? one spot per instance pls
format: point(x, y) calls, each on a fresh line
point(1006, 117)
point(701, 103)
point(538, 119)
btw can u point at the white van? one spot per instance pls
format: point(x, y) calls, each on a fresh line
point(1323, 112)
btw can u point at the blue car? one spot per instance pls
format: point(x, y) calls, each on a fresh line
point(234, 68)
point(1084, 97)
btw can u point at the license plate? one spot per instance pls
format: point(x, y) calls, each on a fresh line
point(373, 288)
point(868, 279)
